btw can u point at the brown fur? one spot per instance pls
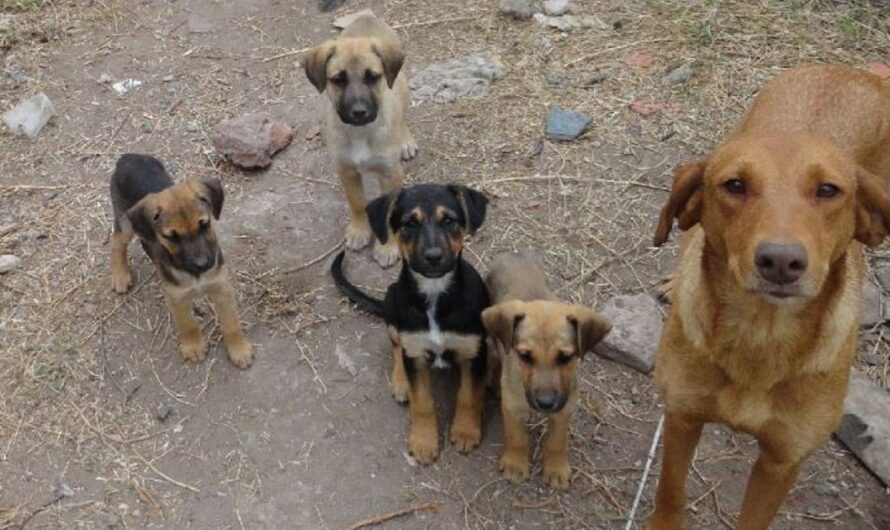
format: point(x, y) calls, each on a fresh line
point(733, 353)
point(540, 340)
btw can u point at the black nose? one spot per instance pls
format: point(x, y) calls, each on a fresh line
point(547, 401)
point(433, 255)
point(358, 113)
point(781, 263)
point(203, 263)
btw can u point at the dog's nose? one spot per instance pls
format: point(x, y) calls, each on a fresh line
point(433, 255)
point(547, 401)
point(781, 263)
point(203, 263)
point(358, 113)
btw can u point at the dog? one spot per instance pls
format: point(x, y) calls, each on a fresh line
point(174, 223)
point(540, 341)
point(366, 131)
point(433, 311)
point(766, 296)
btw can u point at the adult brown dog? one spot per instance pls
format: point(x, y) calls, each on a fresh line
point(366, 131)
point(540, 340)
point(766, 297)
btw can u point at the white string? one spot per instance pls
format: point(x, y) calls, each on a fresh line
point(649, 459)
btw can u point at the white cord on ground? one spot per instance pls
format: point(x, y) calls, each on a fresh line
point(649, 459)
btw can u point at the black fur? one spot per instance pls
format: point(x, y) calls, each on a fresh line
point(135, 176)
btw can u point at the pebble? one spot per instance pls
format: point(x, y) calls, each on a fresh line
point(564, 125)
point(146, 127)
point(518, 9)
point(29, 116)
point(163, 412)
point(104, 79)
point(678, 75)
point(192, 126)
point(168, 78)
point(570, 22)
point(555, 8)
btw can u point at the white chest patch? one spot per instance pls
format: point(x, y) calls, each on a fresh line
point(435, 340)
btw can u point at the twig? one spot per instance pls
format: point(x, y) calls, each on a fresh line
point(645, 477)
point(165, 476)
point(382, 518)
point(286, 54)
point(613, 49)
point(324, 389)
point(308, 264)
point(432, 22)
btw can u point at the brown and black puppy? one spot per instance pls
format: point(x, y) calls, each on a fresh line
point(433, 311)
point(174, 223)
point(366, 131)
point(540, 340)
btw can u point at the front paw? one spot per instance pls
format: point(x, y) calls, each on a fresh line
point(400, 389)
point(423, 444)
point(386, 255)
point(121, 282)
point(408, 149)
point(240, 353)
point(514, 465)
point(358, 234)
point(557, 472)
point(465, 436)
point(194, 350)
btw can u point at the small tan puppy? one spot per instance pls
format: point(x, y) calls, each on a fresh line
point(366, 131)
point(540, 340)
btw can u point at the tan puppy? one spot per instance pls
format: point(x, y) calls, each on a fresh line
point(541, 340)
point(763, 327)
point(366, 131)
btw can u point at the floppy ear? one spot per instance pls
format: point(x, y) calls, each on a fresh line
point(872, 208)
point(315, 64)
point(142, 217)
point(379, 211)
point(500, 321)
point(392, 57)
point(213, 195)
point(590, 328)
point(684, 202)
point(474, 204)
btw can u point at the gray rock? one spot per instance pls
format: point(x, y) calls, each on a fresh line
point(13, 77)
point(469, 76)
point(29, 116)
point(636, 329)
point(678, 75)
point(518, 9)
point(167, 78)
point(882, 273)
point(8, 262)
point(555, 8)
point(192, 126)
point(104, 78)
point(872, 307)
point(163, 412)
point(570, 22)
point(146, 127)
point(565, 125)
point(251, 140)
point(345, 361)
point(865, 425)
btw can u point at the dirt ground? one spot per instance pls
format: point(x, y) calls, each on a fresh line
point(309, 437)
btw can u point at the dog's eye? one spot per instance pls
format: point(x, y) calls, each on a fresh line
point(203, 225)
point(827, 191)
point(172, 236)
point(411, 223)
point(525, 356)
point(339, 79)
point(447, 221)
point(564, 358)
point(371, 77)
point(734, 186)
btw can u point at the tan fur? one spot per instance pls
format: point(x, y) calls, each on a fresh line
point(528, 318)
point(377, 148)
point(776, 369)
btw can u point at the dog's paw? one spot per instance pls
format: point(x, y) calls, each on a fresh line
point(386, 255)
point(557, 473)
point(121, 282)
point(400, 390)
point(662, 520)
point(465, 436)
point(194, 350)
point(409, 149)
point(514, 466)
point(358, 235)
point(423, 444)
point(240, 353)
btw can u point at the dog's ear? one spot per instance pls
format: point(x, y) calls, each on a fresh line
point(211, 193)
point(392, 57)
point(379, 212)
point(872, 208)
point(590, 328)
point(474, 204)
point(315, 64)
point(500, 321)
point(684, 202)
point(142, 217)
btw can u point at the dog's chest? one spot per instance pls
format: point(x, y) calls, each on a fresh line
point(366, 149)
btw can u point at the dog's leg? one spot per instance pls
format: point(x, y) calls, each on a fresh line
point(466, 428)
point(557, 472)
point(772, 477)
point(191, 342)
point(223, 297)
point(358, 231)
point(408, 147)
point(121, 279)
point(387, 254)
point(680, 438)
point(514, 409)
point(399, 384)
point(423, 436)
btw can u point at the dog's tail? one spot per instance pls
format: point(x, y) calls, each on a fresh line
point(359, 298)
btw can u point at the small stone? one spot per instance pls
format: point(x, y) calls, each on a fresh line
point(678, 75)
point(640, 60)
point(555, 8)
point(636, 329)
point(518, 9)
point(872, 312)
point(29, 116)
point(569, 22)
point(104, 79)
point(146, 127)
point(865, 425)
point(465, 77)
point(565, 125)
point(61, 489)
point(596, 79)
point(647, 109)
point(251, 140)
point(163, 412)
point(345, 361)
point(826, 489)
point(168, 78)
point(342, 21)
point(192, 126)
point(122, 87)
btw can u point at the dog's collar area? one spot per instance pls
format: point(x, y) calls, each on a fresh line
point(432, 287)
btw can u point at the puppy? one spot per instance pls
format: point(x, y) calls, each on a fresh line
point(433, 311)
point(763, 326)
point(540, 340)
point(174, 223)
point(366, 131)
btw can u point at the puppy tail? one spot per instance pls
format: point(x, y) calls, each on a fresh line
point(359, 298)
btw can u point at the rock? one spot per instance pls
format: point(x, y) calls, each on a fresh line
point(104, 79)
point(639, 60)
point(192, 126)
point(872, 309)
point(865, 425)
point(469, 76)
point(167, 78)
point(163, 412)
point(146, 127)
point(345, 20)
point(61, 489)
point(518, 9)
point(555, 8)
point(882, 273)
point(678, 75)
point(122, 87)
point(345, 361)
point(636, 329)
point(565, 125)
point(569, 22)
point(647, 108)
point(251, 140)
point(13, 77)
point(29, 116)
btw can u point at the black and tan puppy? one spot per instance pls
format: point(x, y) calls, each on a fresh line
point(366, 131)
point(174, 223)
point(540, 340)
point(433, 311)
